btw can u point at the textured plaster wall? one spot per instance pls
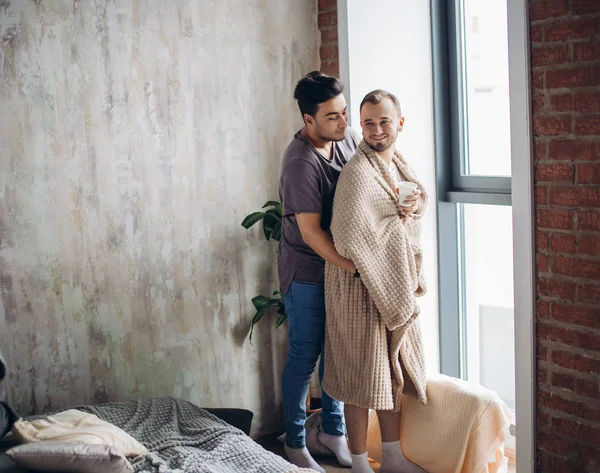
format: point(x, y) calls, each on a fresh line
point(134, 137)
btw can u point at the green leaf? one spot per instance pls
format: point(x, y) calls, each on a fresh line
point(262, 302)
point(267, 231)
point(277, 293)
point(276, 215)
point(275, 204)
point(252, 219)
point(281, 310)
point(280, 320)
point(270, 225)
point(259, 315)
point(276, 234)
point(271, 221)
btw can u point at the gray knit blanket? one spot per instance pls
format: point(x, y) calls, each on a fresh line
point(182, 437)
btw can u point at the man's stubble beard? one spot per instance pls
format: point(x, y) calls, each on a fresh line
point(379, 147)
point(329, 138)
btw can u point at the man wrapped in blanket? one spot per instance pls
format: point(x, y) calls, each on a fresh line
point(373, 346)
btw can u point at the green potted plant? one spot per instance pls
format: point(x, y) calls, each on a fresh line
point(271, 221)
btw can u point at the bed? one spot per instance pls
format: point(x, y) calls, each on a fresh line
point(182, 437)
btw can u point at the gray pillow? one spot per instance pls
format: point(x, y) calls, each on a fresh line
point(70, 457)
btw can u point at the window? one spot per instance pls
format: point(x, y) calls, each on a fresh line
point(482, 102)
point(473, 159)
point(487, 279)
point(484, 48)
point(476, 74)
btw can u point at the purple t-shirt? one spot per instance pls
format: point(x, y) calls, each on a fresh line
point(307, 185)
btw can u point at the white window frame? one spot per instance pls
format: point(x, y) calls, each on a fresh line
point(523, 232)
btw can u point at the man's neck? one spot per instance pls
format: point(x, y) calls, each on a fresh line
point(322, 146)
point(387, 155)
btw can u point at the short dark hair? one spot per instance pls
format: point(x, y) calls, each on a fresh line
point(376, 96)
point(314, 89)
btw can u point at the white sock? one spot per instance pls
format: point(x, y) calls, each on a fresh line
point(394, 461)
point(338, 445)
point(302, 458)
point(360, 464)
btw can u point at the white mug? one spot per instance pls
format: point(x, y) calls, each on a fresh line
point(406, 189)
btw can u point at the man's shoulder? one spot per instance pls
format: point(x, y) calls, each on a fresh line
point(298, 154)
point(298, 162)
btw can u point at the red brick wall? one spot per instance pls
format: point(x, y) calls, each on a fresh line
point(329, 37)
point(565, 59)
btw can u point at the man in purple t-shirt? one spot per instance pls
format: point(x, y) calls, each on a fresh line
point(309, 173)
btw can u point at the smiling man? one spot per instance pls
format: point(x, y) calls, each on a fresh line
point(373, 345)
point(310, 169)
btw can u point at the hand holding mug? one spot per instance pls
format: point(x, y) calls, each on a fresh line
point(409, 194)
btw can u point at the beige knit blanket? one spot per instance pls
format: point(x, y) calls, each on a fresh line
point(462, 429)
point(373, 344)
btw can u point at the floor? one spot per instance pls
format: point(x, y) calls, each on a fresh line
point(329, 464)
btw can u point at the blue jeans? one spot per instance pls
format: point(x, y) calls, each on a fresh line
point(305, 308)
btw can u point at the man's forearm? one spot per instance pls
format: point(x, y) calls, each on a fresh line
point(322, 244)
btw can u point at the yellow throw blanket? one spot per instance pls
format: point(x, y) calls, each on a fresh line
point(372, 336)
point(462, 429)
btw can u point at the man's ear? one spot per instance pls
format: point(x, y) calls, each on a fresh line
point(401, 124)
point(308, 119)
